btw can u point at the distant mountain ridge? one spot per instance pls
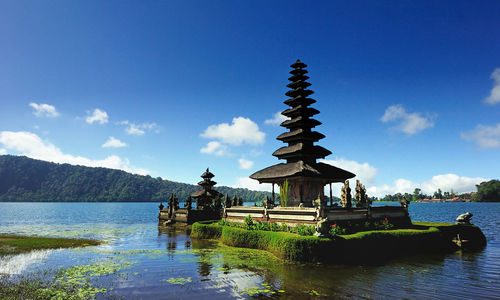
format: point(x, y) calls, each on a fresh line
point(27, 179)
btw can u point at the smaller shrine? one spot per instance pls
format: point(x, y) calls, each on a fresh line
point(208, 204)
point(206, 197)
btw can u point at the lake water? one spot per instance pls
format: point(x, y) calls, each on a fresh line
point(145, 262)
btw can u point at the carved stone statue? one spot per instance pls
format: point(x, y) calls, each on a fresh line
point(345, 196)
point(265, 203)
point(360, 197)
point(367, 200)
point(240, 201)
point(189, 202)
point(175, 202)
point(404, 202)
point(322, 228)
point(218, 204)
point(170, 206)
point(227, 202)
point(320, 205)
point(171, 201)
point(160, 206)
point(464, 218)
point(235, 201)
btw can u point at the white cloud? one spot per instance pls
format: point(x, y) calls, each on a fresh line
point(365, 173)
point(245, 164)
point(251, 184)
point(134, 130)
point(445, 182)
point(98, 116)
point(409, 123)
point(44, 110)
point(113, 143)
point(494, 96)
point(484, 136)
point(140, 129)
point(3, 151)
point(31, 145)
point(242, 130)
point(215, 148)
point(277, 119)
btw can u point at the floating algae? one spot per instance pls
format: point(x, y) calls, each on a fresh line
point(74, 283)
point(101, 231)
point(263, 290)
point(179, 281)
point(226, 258)
point(79, 277)
point(149, 253)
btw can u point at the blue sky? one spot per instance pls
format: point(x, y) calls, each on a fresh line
point(409, 91)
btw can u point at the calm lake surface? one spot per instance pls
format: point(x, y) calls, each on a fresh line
point(166, 264)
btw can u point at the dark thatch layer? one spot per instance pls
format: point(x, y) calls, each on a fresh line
point(313, 170)
point(206, 193)
point(302, 150)
point(300, 135)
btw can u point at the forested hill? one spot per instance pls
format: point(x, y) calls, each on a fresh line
point(26, 179)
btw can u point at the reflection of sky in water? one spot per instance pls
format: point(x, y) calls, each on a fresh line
point(16, 264)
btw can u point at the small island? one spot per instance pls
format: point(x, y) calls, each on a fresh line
point(305, 225)
point(16, 244)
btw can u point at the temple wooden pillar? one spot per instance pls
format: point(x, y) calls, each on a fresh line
point(273, 193)
point(331, 198)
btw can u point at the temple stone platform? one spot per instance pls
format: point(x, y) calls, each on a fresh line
point(293, 216)
point(184, 215)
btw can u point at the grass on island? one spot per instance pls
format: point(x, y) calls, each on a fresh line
point(432, 224)
point(15, 244)
point(380, 244)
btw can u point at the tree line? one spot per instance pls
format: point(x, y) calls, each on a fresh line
point(488, 191)
point(26, 179)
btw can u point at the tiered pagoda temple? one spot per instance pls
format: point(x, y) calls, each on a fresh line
point(205, 196)
point(306, 177)
point(208, 205)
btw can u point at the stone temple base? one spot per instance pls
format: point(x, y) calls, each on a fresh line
point(311, 215)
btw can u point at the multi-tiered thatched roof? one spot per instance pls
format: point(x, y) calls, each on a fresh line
point(301, 153)
point(207, 183)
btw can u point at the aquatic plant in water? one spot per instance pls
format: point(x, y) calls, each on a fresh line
point(264, 290)
point(179, 281)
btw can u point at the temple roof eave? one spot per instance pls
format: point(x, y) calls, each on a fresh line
point(300, 110)
point(300, 134)
point(207, 183)
point(300, 150)
point(325, 172)
point(203, 192)
point(300, 122)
